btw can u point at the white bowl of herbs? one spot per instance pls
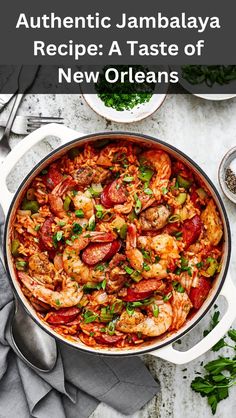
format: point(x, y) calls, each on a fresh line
point(125, 103)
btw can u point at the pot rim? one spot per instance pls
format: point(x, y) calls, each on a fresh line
point(177, 335)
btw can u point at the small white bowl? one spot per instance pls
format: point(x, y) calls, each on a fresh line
point(136, 114)
point(212, 93)
point(225, 163)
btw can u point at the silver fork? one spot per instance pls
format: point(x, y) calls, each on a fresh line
point(23, 125)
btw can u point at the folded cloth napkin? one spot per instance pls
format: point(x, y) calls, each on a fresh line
point(75, 386)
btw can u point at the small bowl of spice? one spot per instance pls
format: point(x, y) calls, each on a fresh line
point(125, 102)
point(227, 175)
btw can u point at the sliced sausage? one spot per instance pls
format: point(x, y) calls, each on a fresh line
point(95, 253)
point(108, 339)
point(114, 194)
point(63, 316)
point(53, 177)
point(46, 234)
point(142, 290)
point(199, 294)
point(191, 230)
point(148, 285)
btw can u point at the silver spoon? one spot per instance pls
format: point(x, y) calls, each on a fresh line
point(33, 345)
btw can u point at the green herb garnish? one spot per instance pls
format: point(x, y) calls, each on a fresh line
point(124, 95)
point(79, 213)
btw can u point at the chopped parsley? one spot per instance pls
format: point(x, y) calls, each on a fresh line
point(77, 228)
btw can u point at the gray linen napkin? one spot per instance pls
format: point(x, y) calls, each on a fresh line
point(75, 386)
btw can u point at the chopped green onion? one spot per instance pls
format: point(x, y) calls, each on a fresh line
point(164, 190)
point(57, 301)
point(79, 213)
point(99, 267)
point(37, 227)
point(155, 310)
point(136, 276)
point(128, 269)
point(167, 297)
point(89, 316)
point(128, 179)
point(100, 211)
point(103, 285)
point(129, 309)
point(61, 223)
point(57, 237)
point(178, 287)
point(111, 328)
point(174, 218)
point(91, 224)
point(95, 190)
point(106, 315)
point(146, 267)
point(146, 255)
point(148, 191)
point(157, 259)
point(116, 307)
point(179, 234)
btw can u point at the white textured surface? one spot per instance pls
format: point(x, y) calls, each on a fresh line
point(203, 130)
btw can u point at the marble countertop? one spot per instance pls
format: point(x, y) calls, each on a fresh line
point(205, 131)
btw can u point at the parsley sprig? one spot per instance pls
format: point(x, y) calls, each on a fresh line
point(220, 373)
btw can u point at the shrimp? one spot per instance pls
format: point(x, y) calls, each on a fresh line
point(161, 163)
point(70, 295)
point(154, 218)
point(81, 201)
point(150, 326)
point(41, 269)
point(112, 154)
point(55, 197)
point(212, 223)
point(164, 246)
point(72, 263)
point(181, 305)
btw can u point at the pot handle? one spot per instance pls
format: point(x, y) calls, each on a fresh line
point(60, 131)
point(181, 357)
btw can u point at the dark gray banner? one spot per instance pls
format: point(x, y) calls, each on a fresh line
point(118, 79)
point(107, 32)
